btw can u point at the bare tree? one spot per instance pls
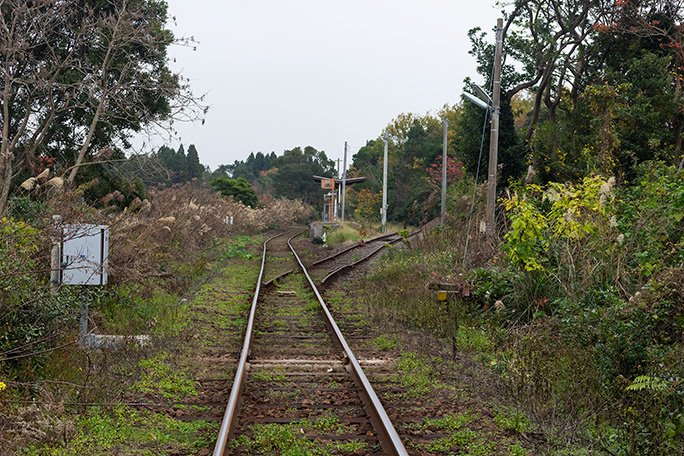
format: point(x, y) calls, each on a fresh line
point(551, 38)
point(81, 76)
point(29, 70)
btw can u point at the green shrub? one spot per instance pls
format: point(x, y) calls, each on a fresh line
point(651, 220)
point(342, 234)
point(30, 318)
point(565, 232)
point(19, 277)
point(26, 209)
point(235, 247)
point(32, 326)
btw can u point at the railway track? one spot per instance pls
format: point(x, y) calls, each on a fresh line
point(330, 267)
point(430, 416)
point(344, 260)
point(297, 378)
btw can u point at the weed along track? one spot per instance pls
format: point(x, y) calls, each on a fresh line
point(298, 387)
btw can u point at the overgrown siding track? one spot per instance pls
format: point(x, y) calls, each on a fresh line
point(328, 268)
point(299, 376)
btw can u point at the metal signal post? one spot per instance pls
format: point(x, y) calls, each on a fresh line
point(384, 188)
point(344, 181)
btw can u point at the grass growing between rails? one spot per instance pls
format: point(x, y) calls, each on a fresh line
point(350, 232)
point(291, 439)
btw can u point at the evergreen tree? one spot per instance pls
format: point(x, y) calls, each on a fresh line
point(239, 189)
point(368, 162)
point(409, 186)
point(511, 153)
point(296, 168)
point(195, 168)
point(180, 166)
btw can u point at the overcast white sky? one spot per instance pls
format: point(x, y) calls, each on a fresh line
point(281, 74)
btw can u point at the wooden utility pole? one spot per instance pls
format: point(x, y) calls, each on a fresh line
point(494, 135)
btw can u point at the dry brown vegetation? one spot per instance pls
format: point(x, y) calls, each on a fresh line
point(176, 225)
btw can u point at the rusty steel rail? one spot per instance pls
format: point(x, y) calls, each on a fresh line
point(355, 246)
point(230, 414)
point(344, 267)
point(275, 279)
point(388, 437)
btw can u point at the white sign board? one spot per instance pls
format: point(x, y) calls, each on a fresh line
point(84, 254)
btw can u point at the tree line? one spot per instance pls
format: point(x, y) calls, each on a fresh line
point(289, 175)
point(587, 87)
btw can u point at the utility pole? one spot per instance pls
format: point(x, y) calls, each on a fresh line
point(444, 172)
point(384, 188)
point(333, 206)
point(344, 181)
point(494, 135)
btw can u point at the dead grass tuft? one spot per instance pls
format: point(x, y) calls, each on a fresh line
point(45, 423)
